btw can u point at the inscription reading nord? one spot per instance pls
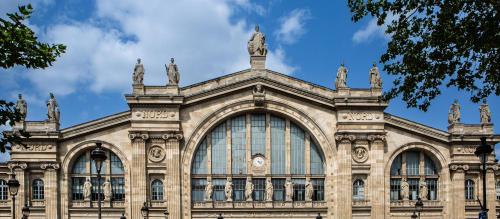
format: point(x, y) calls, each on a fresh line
point(362, 116)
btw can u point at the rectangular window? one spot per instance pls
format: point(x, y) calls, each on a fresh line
point(319, 189)
point(316, 161)
point(118, 188)
point(219, 150)
point(277, 145)
point(200, 160)
point(278, 189)
point(77, 187)
point(469, 189)
point(258, 136)
point(97, 189)
point(219, 185)
point(412, 163)
point(395, 189)
point(259, 189)
point(414, 184)
point(298, 150)
point(198, 189)
point(299, 186)
point(4, 190)
point(239, 189)
point(238, 145)
point(432, 188)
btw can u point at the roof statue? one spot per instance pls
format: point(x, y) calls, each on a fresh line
point(375, 79)
point(257, 43)
point(53, 112)
point(172, 73)
point(22, 107)
point(341, 80)
point(138, 75)
point(454, 113)
point(484, 113)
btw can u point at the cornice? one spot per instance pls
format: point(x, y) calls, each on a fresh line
point(416, 127)
point(95, 125)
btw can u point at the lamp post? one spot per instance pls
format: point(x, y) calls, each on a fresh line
point(319, 216)
point(483, 151)
point(26, 211)
point(13, 185)
point(99, 156)
point(123, 216)
point(419, 205)
point(414, 215)
point(145, 210)
point(166, 214)
point(220, 216)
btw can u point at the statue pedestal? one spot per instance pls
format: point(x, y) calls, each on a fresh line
point(258, 62)
point(343, 91)
point(138, 89)
point(376, 91)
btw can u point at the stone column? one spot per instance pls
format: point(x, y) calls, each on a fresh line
point(457, 196)
point(51, 193)
point(377, 176)
point(344, 175)
point(138, 174)
point(19, 169)
point(173, 181)
point(490, 193)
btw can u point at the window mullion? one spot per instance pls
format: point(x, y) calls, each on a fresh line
point(287, 147)
point(229, 152)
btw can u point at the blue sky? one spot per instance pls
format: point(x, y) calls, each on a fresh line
point(306, 39)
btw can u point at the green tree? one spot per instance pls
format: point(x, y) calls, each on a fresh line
point(20, 47)
point(437, 43)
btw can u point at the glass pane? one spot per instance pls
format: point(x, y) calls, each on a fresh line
point(497, 189)
point(200, 159)
point(395, 189)
point(316, 160)
point(118, 188)
point(297, 150)
point(198, 189)
point(77, 187)
point(358, 190)
point(157, 190)
point(116, 165)
point(414, 188)
point(258, 136)
point(239, 189)
point(277, 145)
point(97, 189)
point(396, 166)
point(432, 186)
point(38, 190)
point(219, 150)
point(319, 189)
point(219, 185)
point(430, 168)
point(412, 163)
point(469, 189)
point(299, 189)
point(278, 189)
point(93, 169)
point(4, 189)
point(79, 166)
point(259, 189)
point(238, 145)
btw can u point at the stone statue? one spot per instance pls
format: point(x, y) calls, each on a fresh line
point(173, 73)
point(485, 113)
point(107, 190)
point(341, 80)
point(138, 75)
point(454, 113)
point(228, 190)
point(53, 109)
point(423, 190)
point(375, 79)
point(288, 190)
point(87, 189)
point(22, 107)
point(405, 189)
point(309, 190)
point(209, 189)
point(249, 189)
point(257, 43)
point(269, 190)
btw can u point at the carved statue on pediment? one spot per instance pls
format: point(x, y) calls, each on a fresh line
point(22, 107)
point(228, 190)
point(269, 190)
point(138, 75)
point(209, 189)
point(257, 43)
point(454, 113)
point(309, 190)
point(375, 79)
point(259, 95)
point(107, 190)
point(288, 190)
point(423, 190)
point(173, 73)
point(341, 81)
point(249, 189)
point(485, 113)
point(405, 189)
point(87, 189)
point(53, 112)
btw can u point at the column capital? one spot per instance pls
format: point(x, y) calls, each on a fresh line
point(459, 167)
point(50, 166)
point(15, 164)
point(177, 135)
point(138, 136)
point(377, 137)
point(345, 137)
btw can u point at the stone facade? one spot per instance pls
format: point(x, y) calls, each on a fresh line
point(157, 138)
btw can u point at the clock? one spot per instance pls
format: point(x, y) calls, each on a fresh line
point(258, 161)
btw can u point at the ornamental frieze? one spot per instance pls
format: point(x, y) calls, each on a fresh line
point(360, 116)
point(154, 114)
point(34, 148)
point(458, 167)
point(48, 166)
point(20, 165)
point(469, 149)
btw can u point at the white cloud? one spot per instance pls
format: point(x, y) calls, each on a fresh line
point(371, 30)
point(202, 35)
point(292, 26)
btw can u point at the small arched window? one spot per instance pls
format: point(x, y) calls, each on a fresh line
point(37, 190)
point(157, 190)
point(469, 189)
point(497, 190)
point(358, 190)
point(4, 190)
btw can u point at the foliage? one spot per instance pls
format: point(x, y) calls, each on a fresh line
point(438, 42)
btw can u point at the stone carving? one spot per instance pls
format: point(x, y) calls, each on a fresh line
point(375, 79)
point(138, 75)
point(107, 190)
point(466, 149)
point(138, 136)
point(228, 190)
point(173, 135)
point(360, 154)
point(309, 190)
point(257, 43)
point(405, 189)
point(454, 113)
point(456, 167)
point(209, 189)
point(37, 148)
point(156, 154)
point(345, 137)
point(423, 190)
point(53, 112)
point(249, 189)
point(173, 73)
point(360, 116)
point(484, 113)
point(22, 107)
point(155, 114)
point(87, 189)
point(53, 166)
point(14, 165)
point(341, 81)
point(269, 190)
point(373, 138)
point(259, 95)
point(288, 190)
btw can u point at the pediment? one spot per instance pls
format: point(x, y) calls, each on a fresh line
point(96, 125)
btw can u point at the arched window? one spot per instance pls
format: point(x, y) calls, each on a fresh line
point(37, 190)
point(419, 167)
point(358, 190)
point(4, 190)
point(271, 147)
point(83, 169)
point(469, 189)
point(497, 190)
point(157, 190)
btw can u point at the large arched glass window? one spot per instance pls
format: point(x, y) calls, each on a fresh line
point(358, 190)
point(157, 190)
point(263, 147)
point(419, 166)
point(469, 189)
point(4, 190)
point(37, 189)
point(84, 169)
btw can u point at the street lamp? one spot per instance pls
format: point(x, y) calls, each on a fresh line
point(26, 211)
point(414, 215)
point(99, 156)
point(166, 214)
point(419, 206)
point(13, 185)
point(123, 216)
point(145, 210)
point(483, 151)
point(220, 216)
point(319, 216)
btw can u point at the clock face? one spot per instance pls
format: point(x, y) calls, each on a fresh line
point(258, 161)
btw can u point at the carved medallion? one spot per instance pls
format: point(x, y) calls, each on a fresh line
point(360, 154)
point(156, 154)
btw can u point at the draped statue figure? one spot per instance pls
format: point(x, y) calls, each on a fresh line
point(228, 190)
point(269, 190)
point(405, 189)
point(484, 113)
point(309, 190)
point(87, 189)
point(249, 189)
point(257, 43)
point(454, 113)
point(341, 81)
point(107, 190)
point(209, 189)
point(173, 73)
point(53, 112)
point(288, 190)
point(138, 75)
point(423, 190)
point(375, 79)
point(22, 107)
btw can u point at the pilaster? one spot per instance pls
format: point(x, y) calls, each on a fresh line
point(138, 173)
point(344, 175)
point(491, 193)
point(51, 191)
point(19, 168)
point(377, 175)
point(173, 169)
point(457, 196)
